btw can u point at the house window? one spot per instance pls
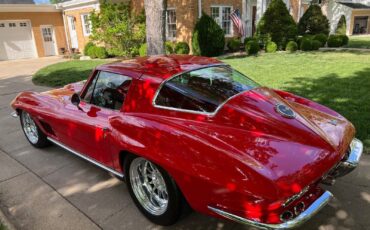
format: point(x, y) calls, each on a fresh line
point(12, 24)
point(86, 24)
point(171, 24)
point(23, 24)
point(221, 14)
point(2, 25)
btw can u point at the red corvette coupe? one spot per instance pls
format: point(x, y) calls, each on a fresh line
point(191, 131)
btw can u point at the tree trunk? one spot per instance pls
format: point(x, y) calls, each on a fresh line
point(155, 12)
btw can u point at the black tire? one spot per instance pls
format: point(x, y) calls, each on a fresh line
point(42, 140)
point(176, 201)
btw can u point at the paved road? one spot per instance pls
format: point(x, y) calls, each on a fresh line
point(52, 189)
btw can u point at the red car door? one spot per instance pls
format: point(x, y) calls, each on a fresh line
point(89, 124)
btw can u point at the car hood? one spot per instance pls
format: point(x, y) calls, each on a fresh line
point(294, 152)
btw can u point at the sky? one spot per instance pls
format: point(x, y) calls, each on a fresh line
point(41, 1)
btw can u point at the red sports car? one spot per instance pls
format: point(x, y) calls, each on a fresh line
point(191, 131)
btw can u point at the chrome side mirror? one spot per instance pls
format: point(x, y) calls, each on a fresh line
point(75, 99)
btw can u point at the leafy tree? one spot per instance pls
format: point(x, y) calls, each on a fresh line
point(115, 27)
point(155, 26)
point(341, 27)
point(277, 24)
point(313, 22)
point(208, 37)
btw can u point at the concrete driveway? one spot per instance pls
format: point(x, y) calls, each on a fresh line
point(52, 189)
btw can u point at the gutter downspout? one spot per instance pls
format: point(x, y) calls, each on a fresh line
point(65, 29)
point(199, 8)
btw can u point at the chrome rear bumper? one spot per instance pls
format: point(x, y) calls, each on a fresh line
point(303, 217)
point(348, 164)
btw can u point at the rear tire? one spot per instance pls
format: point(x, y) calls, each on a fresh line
point(32, 132)
point(154, 192)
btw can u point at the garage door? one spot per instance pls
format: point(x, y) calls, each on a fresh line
point(16, 40)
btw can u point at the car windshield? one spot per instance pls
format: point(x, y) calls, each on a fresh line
point(203, 90)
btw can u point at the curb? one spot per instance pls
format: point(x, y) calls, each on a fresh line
point(4, 221)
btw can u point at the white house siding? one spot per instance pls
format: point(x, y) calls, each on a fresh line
point(334, 11)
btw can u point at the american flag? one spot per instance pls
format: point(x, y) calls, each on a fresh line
point(235, 17)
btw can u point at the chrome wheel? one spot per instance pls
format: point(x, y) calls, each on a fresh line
point(30, 128)
point(149, 186)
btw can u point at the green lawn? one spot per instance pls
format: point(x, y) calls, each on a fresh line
point(339, 80)
point(65, 72)
point(359, 42)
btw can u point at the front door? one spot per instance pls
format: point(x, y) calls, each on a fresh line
point(48, 40)
point(72, 32)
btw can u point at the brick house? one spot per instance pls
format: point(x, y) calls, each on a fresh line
point(76, 21)
point(28, 31)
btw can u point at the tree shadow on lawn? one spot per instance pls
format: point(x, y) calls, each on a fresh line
point(350, 96)
point(61, 77)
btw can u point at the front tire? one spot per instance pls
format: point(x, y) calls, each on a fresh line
point(32, 132)
point(154, 192)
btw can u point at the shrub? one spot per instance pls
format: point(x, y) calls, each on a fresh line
point(182, 48)
point(169, 47)
point(306, 44)
point(117, 28)
point(87, 47)
point(252, 47)
point(315, 45)
point(322, 38)
point(234, 44)
point(247, 39)
point(313, 22)
point(341, 27)
point(97, 52)
point(271, 47)
point(143, 50)
point(291, 46)
point(335, 41)
point(345, 39)
point(208, 37)
point(278, 24)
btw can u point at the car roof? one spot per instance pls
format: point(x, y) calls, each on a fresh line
point(159, 66)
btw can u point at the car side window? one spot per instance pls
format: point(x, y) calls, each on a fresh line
point(108, 90)
point(202, 90)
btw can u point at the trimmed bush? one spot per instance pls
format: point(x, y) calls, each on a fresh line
point(182, 48)
point(252, 47)
point(345, 39)
point(97, 52)
point(271, 47)
point(169, 47)
point(143, 50)
point(291, 46)
point(306, 44)
point(322, 38)
point(313, 22)
point(335, 41)
point(315, 45)
point(247, 39)
point(341, 27)
point(208, 37)
point(278, 24)
point(87, 47)
point(234, 44)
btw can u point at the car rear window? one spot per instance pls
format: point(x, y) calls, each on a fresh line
point(202, 90)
